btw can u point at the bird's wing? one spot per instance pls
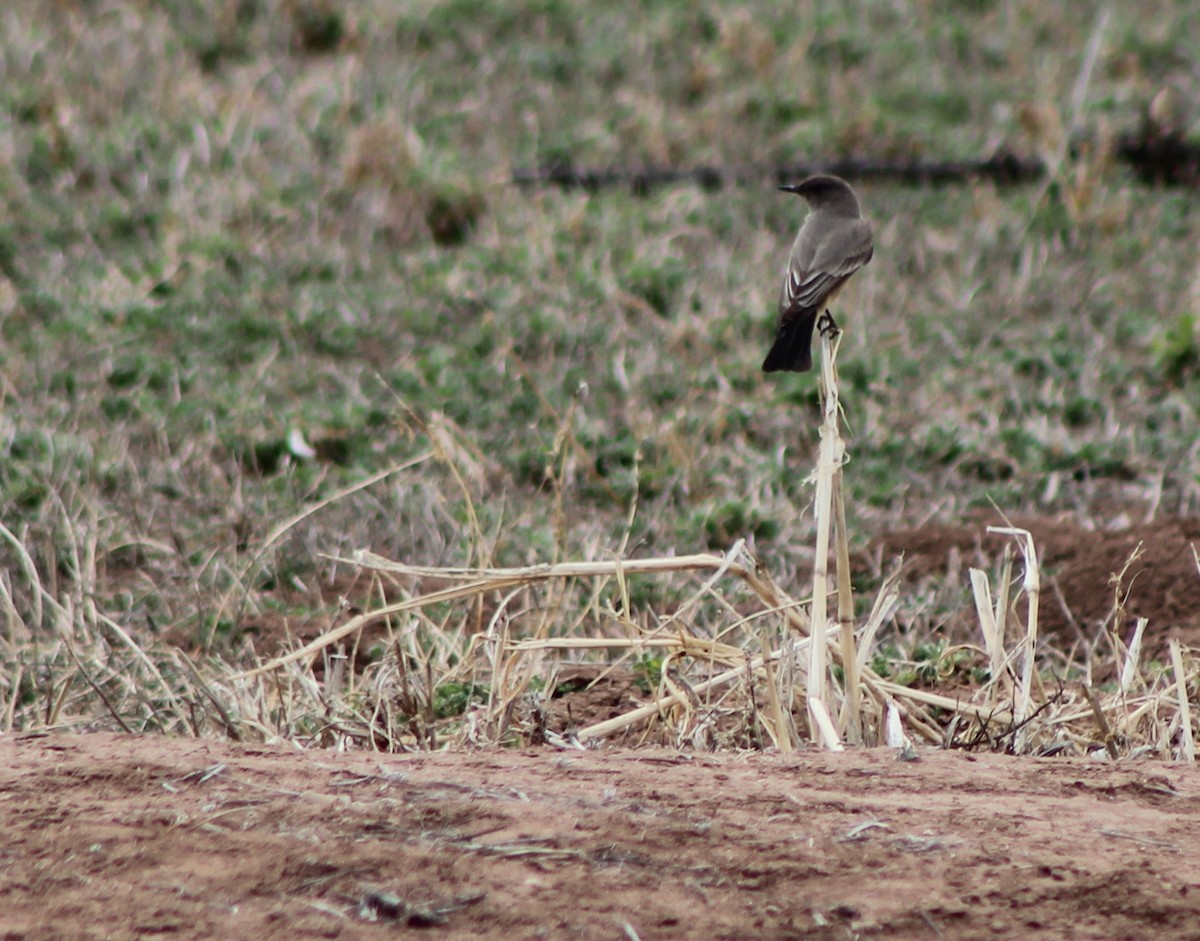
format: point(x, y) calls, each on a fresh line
point(836, 258)
point(804, 291)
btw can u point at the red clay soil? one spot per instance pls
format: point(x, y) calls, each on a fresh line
point(123, 837)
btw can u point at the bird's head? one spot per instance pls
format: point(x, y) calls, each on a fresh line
point(824, 190)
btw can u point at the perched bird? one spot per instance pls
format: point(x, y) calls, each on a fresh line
point(834, 242)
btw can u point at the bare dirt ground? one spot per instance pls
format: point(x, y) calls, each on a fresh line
point(127, 837)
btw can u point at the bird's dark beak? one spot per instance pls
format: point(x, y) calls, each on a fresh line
point(790, 188)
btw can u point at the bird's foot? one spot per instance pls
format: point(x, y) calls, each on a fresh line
point(827, 326)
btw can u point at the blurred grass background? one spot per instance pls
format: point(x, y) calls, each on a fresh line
point(223, 222)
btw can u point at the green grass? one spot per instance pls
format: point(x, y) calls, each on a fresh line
point(220, 223)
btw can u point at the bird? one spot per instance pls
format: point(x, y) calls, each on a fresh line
point(833, 243)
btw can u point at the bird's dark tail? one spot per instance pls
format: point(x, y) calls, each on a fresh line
point(792, 351)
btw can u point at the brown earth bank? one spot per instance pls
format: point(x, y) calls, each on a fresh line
point(137, 837)
point(1159, 580)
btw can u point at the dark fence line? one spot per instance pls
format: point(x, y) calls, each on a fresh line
point(1155, 158)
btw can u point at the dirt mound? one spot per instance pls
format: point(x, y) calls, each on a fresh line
point(110, 836)
point(1078, 566)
